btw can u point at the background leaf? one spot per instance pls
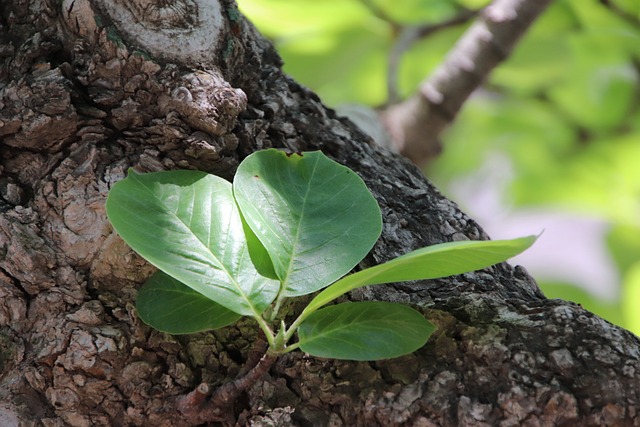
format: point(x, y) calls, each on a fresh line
point(445, 259)
point(371, 330)
point(316, 218)
point(174, 308)
point(187, 224)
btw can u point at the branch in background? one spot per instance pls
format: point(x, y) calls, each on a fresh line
point(617, 10)
point(407, 37)
point(382, 15)
point(416, 123)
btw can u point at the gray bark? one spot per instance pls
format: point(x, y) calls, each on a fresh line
point(85, 94)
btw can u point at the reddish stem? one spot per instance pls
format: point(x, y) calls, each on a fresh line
point(197, 409)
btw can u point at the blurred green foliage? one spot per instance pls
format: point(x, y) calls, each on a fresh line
point(564, 108)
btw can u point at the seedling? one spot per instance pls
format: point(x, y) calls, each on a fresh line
point(289, 225)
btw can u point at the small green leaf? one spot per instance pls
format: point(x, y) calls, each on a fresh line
point(364, 331)
point(187, 224)
point(445, 259)
point(315, 217)
point(172, 307)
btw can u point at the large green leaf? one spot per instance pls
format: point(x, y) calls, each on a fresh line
point(172, 307)
point(316, 218)
point(187, 224)
point(364, 331)
point(435, 261)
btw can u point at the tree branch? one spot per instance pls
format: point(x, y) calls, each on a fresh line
point(617, 10)
point(381, 14)
point(416, 123)
point(408, 35)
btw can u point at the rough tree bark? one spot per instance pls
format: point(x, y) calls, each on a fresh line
point(90, 88)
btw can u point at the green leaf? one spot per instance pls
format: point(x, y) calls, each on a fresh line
point(316, 218)
point(259, 255)
point(364, 331)
point(187, 224)
point(435, 261)
point(172, 307)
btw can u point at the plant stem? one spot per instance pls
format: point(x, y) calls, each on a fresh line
point(290, 348)
point(230, 391)
point(294, 326)
point(268, 333)
point(276, 308)
point(195, 407)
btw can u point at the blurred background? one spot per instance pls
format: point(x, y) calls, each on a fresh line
point(550, 143)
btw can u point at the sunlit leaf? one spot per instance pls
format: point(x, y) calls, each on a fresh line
point(435, 261)
point(364, 331)
point(187, 224)
point(174, 308)
point(316, 218)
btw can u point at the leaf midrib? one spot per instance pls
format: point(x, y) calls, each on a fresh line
point(223, 267)
point(285, 281)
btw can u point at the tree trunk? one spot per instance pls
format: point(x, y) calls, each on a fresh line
point(91, 88)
